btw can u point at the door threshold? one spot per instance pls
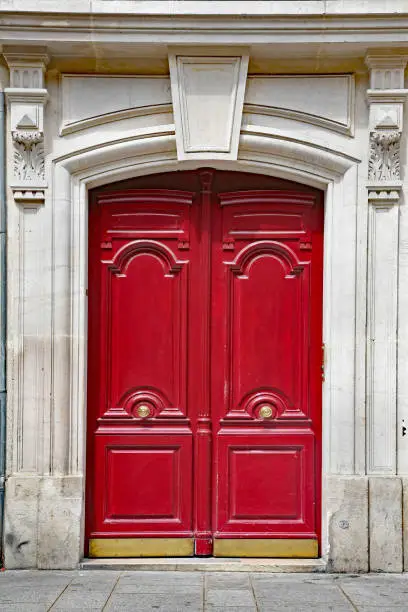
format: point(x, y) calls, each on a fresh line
point(207, 564)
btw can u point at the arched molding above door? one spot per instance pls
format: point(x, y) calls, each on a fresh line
point(285, 157)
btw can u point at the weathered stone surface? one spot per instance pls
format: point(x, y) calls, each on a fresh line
point(385, 524)
point(43, 522)
point(347, 511)
point(59, 523)
point(20, 526)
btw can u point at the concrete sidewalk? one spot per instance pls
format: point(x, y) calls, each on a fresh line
point(143, 591)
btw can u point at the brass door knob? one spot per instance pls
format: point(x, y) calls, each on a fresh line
point(265, 412)
point(143, 411)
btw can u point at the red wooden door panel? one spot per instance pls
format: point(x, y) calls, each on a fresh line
point(204, 382)
point(141, 449)
point(267, 286)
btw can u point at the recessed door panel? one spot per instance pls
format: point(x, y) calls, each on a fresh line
point(267, 312)
point(265, 488)
point(150, 358)
point(145, 481)
point(204, 367)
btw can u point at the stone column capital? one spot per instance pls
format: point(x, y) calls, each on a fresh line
point(27, 66)
point(386, 69)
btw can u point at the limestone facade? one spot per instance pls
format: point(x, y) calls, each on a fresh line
point(309, 91)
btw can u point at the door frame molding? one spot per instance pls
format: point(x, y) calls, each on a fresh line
point(93, 162)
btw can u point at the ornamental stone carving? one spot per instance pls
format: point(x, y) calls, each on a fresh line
point(26, 100)
point(28, 156)
point(27, 138)
point(384, 160)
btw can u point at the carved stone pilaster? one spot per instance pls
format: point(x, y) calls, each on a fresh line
point(26, 99)
point(386, 98)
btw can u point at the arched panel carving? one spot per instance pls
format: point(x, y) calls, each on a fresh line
point(248, 255)
point(268, 315)
point(278, 406)
point(123, 258)
point(143, 404)
point(145, 292)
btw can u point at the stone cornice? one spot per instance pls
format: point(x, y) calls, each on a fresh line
point(221, 7)
point(307, 25)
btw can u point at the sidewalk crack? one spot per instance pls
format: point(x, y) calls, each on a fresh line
point(347, 597)
point(60, 595)
point(110, 594)
point(253, 592)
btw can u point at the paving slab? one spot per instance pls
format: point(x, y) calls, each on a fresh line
point(376, 594)
point(229, 597)
point(29, 595)
point(299, 593)
point(154, 602)
point(224, 580)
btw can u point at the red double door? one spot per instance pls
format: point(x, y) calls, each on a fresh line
point(204, 367)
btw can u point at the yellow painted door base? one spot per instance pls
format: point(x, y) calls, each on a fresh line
point(184, 547)
point(141, 547)
point(266, 548)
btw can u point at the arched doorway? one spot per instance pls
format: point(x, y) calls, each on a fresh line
point(204, 366)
